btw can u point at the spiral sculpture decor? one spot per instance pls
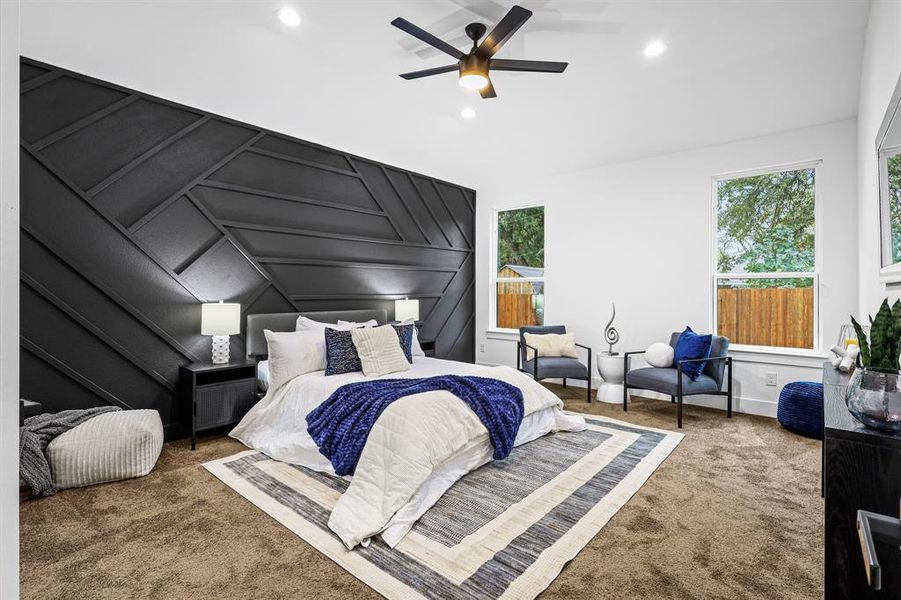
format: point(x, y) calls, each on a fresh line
point(611, 335)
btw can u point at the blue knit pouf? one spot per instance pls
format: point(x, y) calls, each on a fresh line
point(801, 408)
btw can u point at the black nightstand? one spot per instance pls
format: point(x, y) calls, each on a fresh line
point(428, 346)
point(217, 395)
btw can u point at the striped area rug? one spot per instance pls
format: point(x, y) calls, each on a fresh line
point(503, 531)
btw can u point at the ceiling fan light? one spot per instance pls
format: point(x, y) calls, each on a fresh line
point(289, 16)
point(473, 81)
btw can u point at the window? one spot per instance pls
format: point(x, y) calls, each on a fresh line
point(517, 282)
point(766, 279)
point(888, 157)
point(891, 166)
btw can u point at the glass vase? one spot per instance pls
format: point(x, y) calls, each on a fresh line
point(874, 398)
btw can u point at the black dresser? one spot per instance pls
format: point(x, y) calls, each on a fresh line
point(861, 471)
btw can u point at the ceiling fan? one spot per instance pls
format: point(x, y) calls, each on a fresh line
point(474, 67)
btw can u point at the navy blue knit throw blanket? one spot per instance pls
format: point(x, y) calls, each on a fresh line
point(341, 424)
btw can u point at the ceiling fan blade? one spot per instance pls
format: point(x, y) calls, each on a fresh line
point(426, 51)
point(531, 66)
point(511, 22)
point(426, 37)
point(572, 26)
point(427, 72)
point(488, 91)
point(484, 9)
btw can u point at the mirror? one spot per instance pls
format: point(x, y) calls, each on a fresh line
point(888, 153)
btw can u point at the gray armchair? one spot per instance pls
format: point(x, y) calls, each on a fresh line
point(551, 367)
point(672, 381)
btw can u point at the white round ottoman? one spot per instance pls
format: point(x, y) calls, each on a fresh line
point(109, 447)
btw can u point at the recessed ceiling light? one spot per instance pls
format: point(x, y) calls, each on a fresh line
point(289, 16)
point(468, 113)
point(655, 48)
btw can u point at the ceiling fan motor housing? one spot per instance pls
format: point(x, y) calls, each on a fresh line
point(475, 31)
point(473, 64)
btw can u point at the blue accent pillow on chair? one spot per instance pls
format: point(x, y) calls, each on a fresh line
point(690, 346)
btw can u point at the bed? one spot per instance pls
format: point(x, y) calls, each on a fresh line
point(417, 449)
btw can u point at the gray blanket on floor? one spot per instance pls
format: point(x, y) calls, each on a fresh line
point(36, 435)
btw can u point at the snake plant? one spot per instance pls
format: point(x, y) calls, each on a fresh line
point(883, 347)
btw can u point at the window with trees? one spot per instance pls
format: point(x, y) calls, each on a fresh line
point(766, 278)
point(518, 268)
point(892, 169)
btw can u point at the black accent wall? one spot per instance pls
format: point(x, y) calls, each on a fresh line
point(134, 210)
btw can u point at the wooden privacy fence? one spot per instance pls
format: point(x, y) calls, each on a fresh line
point(515, 310)
point(781, 317)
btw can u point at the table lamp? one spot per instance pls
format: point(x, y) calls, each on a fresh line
point(220, 320)
point(406, 309)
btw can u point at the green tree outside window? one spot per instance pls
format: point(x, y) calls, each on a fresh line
point(765, 224)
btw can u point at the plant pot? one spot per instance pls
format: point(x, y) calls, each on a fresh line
point(874, 398)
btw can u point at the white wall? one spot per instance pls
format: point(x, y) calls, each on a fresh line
point(639, 234)
point(9, 299)
point(879, 74)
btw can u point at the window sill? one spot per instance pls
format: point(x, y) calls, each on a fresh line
point(890, 274)
point(776, 356)
point(510, 335)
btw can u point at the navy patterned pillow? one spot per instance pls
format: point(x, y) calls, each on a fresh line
point(340, 353)
point(405, 335)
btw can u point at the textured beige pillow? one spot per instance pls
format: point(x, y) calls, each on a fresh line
point(551, 344)
point(379, 350)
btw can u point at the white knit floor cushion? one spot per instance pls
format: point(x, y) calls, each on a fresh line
point(109, 447)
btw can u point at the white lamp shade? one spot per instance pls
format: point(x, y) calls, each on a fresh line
point(220, 318)
point(406, 309)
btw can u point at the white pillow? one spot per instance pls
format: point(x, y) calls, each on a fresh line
point(263, 374)
point(306, 324)
point(416, 349)
point(379, 350)
point(355, 324)
point(659, 355)
point(551, 344)
point(294, 353)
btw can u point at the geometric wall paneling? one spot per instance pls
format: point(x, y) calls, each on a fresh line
point(230, 204)
point(59, 103)
point(292, 177)
point(131, 194)
point(418, 207)
point(451, 231)
point(271, 242)
point(391, 201)
point(136, 209)
point(90, 155)
point(27, 72)
point(303, 151)
point(179, 234)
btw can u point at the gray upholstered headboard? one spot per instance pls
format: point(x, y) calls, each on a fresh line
point(256, 340)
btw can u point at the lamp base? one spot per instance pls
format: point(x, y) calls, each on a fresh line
point(221, 348)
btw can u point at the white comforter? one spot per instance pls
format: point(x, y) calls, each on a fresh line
point(417, 449)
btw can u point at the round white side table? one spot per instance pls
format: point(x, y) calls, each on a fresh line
point(611, 368)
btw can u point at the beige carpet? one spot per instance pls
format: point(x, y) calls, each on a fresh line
point(734, 512)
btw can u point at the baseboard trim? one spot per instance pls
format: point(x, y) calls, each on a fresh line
point(748, 406)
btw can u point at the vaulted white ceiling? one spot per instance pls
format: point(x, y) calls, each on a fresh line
point(731, 70)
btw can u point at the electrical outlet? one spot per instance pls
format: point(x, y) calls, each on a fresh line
point(481, 347)
point(771, 378)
